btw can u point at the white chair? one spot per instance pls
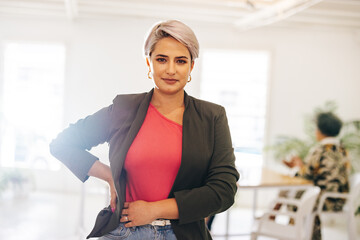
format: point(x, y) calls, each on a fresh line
point(348, 211)
point(280, 228)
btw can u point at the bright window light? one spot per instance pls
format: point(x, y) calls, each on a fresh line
point(32, 104)
point(238, 81)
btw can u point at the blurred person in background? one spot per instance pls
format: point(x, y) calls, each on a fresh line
point(326, 165)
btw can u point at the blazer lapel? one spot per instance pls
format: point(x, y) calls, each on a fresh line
point(133, 131)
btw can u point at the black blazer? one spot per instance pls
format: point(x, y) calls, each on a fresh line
point(206, 181)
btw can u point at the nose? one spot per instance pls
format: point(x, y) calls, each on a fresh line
point(171, 68)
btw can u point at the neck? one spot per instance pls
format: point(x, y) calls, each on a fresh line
point(167, 100)
point(321, 137)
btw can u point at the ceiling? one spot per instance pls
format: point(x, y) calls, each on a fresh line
point(243, 14)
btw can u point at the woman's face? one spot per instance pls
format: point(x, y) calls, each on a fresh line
point(171, 65)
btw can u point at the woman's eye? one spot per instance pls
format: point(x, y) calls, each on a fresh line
point(181, 61)
point(161, 60)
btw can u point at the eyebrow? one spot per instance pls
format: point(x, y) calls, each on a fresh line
point(161, 55)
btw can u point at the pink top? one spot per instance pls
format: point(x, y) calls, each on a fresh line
point(154, 158)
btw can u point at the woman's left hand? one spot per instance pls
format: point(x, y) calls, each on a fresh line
point(137, 213)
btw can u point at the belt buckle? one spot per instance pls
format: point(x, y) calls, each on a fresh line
point(159, 222)
point(162, 223)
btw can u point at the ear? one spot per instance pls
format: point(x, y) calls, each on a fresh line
point(192, 65)
point(148, 62)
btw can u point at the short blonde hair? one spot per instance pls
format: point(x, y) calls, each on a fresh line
point(176, 30)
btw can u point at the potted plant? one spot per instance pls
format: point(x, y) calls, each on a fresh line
point(14, 180)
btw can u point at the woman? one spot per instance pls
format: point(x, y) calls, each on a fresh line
point(171, 156)
point(326, 165)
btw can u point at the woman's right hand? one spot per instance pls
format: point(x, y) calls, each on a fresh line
point(103, 171)
point(112, 195)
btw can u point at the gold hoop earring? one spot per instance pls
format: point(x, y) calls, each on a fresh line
point(149, 76)
point(189, 79)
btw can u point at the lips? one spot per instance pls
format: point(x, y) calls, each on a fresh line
point(169, 80)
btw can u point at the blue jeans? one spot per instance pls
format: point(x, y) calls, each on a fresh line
point(145, 232)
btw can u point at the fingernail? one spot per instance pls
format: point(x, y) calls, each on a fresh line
point(113, 209)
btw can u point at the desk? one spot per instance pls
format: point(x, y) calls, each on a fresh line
point(259, 178)
point(264, 177)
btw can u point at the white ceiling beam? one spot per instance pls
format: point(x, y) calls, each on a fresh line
point(155, 10)
point(241, 4)
point(332, 13)
point(71, 7)
point(184, 14)
point(277, 12)
point(158, 6)
point(347, 2)
point(32, 4)
point(10, 11)
point(340, 22)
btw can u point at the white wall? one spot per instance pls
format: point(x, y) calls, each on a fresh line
point(309, 65)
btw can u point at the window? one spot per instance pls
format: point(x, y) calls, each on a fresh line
point(32, 104)
point(238, 81)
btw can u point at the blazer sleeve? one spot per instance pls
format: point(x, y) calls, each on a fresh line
point(218, 192)
point(71, 146)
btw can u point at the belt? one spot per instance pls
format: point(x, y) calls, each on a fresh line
point(160, 222)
